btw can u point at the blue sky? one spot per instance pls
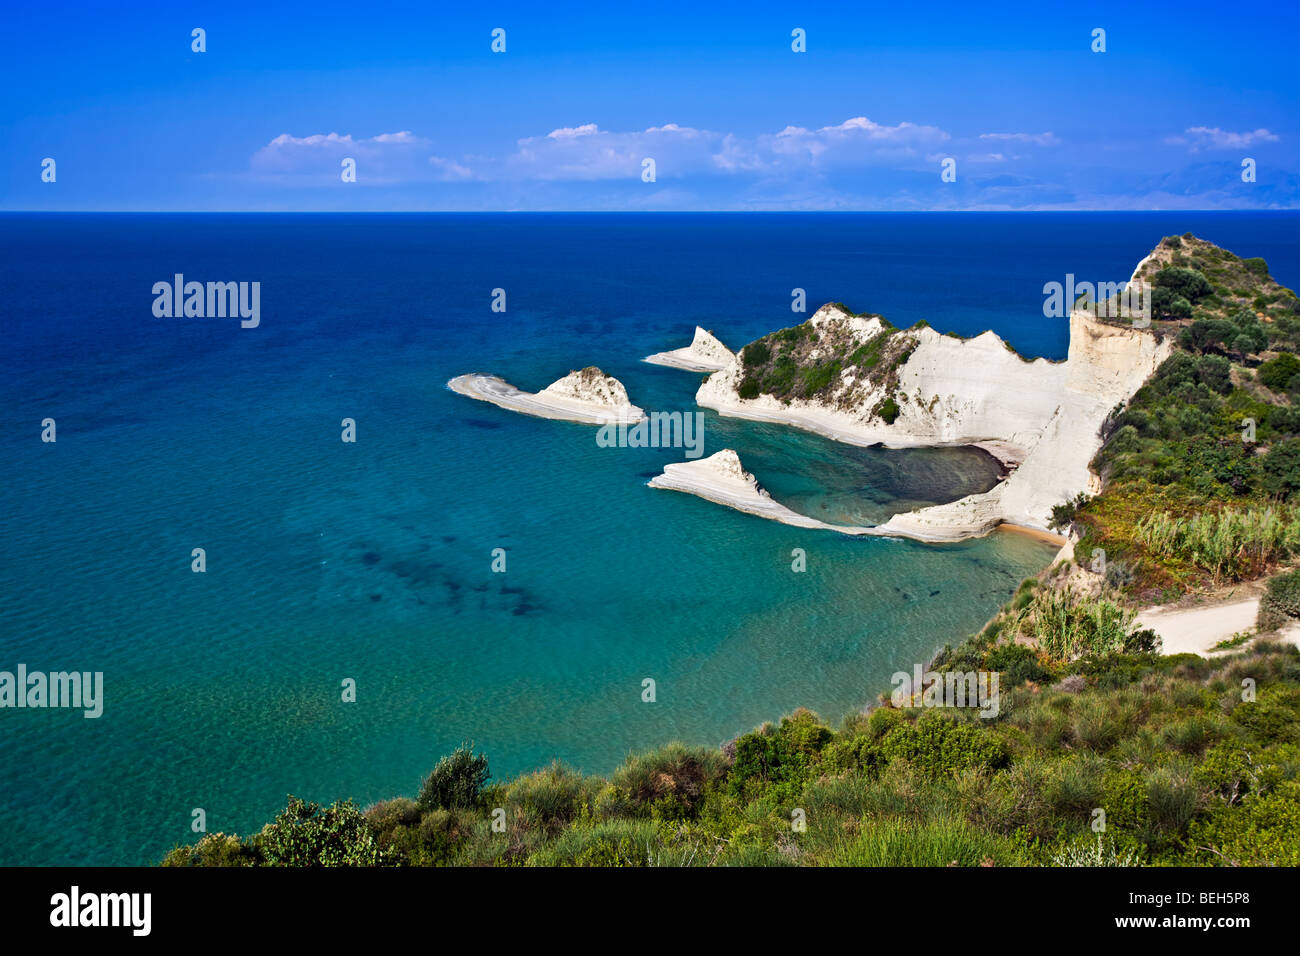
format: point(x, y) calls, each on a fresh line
point(734, 119)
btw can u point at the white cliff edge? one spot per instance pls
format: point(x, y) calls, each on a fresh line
point(721, 478)
point(588, 396)
point(1041, 418)
point(704, 354)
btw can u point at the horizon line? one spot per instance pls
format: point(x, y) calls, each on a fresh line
point(629, 212)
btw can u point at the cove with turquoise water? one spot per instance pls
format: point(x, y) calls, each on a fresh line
point(372, 560)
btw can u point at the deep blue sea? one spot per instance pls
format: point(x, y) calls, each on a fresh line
point(372, 560)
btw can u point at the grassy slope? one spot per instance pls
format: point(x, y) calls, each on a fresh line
point(1185, 769)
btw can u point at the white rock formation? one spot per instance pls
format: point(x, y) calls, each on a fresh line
point(1105, 366)
point(704, 354)
point(950, 391)
point(722, 479)
point(1043, 415)
point(588, 396)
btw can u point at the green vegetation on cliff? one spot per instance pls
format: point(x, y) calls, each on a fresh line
point(1201, 467)
point(829, 360)
point(1225, 296)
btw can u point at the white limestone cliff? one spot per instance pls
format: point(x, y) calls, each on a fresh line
point(1106, 364)
point(1043, 416)
point(950, 391)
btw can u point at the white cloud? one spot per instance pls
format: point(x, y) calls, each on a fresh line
point(587, 153)
point(385, 158)
point(569, 132)
point(858, 163)
point(1207, 137)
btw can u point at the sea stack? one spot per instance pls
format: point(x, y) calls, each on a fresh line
point(589, 396)
point(704, 354)
point(722, 479)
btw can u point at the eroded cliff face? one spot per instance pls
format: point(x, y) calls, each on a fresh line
point(947, 390)
point(1105, 366)
point(962, 391)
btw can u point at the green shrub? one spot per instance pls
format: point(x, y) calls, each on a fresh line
point(888, 410)
point(1281, 601)
point(1263, 831)
point(756, 353)
point(306, 834)
point(1173, 799)
point(779, 757)
point(1016, 663)
point(1277, 373)
point(609, 843)
point(819, 377)
point(550, 799)
point(214, 849)
point(1188, 283)
point(940, 746)
point(1063, 514)
point(676, 772)
point(455, 782)
point(389, 814)
point(1281, 468)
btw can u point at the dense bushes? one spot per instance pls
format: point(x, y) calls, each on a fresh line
point(804, 362)
point(777, 758)
point(756, 353)
point(1186, 283)
point(1281, 601)
point(306, 834)
point(938, 746)
point(669, 783)
point(1256, 265)
point(1278, 373)
point(1241, 333)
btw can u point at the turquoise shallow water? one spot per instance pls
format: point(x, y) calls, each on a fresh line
point(372, 561)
